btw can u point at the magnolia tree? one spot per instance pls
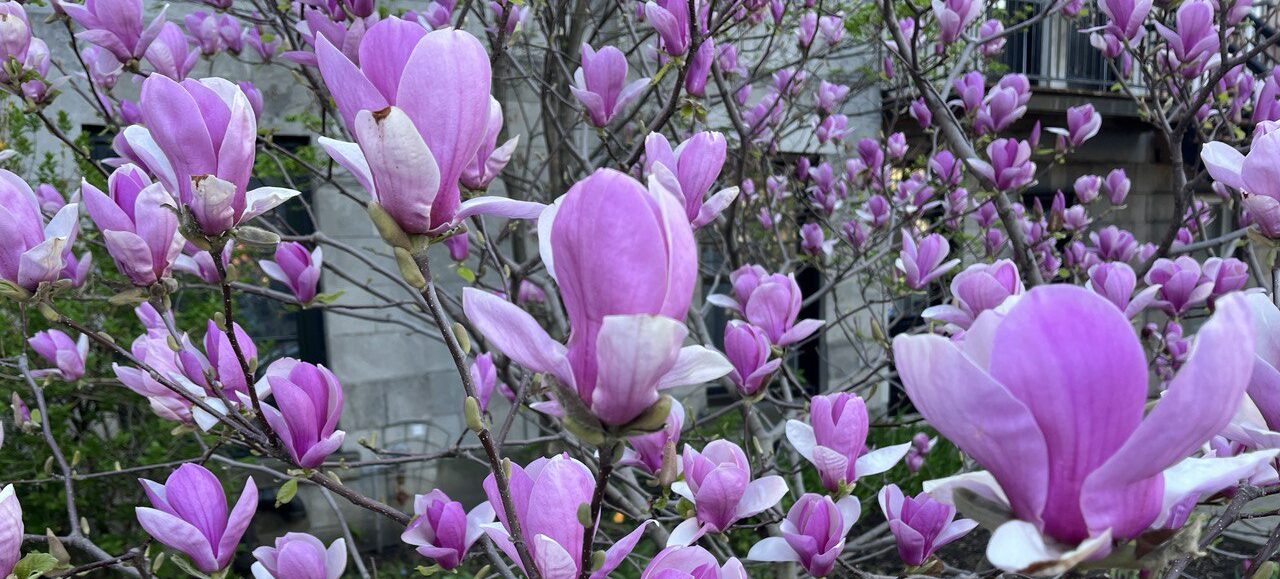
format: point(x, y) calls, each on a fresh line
point(613, 176)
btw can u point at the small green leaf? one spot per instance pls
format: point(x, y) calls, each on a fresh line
point(328, 298)
point(287, 491)
point(187, 567)
point(466, 274)
point(35, 564)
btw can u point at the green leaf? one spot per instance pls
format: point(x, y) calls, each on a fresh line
point(466, 274)
point(287, 491)
point(35, 564)
point(330, 297)
point(187, 567)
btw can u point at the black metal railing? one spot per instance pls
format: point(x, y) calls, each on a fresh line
point(1054, 53)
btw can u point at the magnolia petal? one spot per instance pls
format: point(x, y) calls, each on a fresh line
point(633, 355)
point(801, 330)
point(1017, 546)
point(695, 365)
point(499, 207)
point(516, 334)
point(880, 459)
point(761, 494)
point(714, 206)
point(1188, 481)
point(178, 535)
point(352, 158)
point(1200, 402)
point(264, 199)
point(552, 561)
point(984, 419)
point(617, 553)
point(774, 550)
point(801, 437)
point(686, 533)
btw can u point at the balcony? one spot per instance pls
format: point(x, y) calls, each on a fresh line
point(1054, 54)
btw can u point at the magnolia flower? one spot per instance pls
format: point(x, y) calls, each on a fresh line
point(600, 84)
point(490, 159)
point(170, 54)
point(300, 556)
point(1060, 371)
point(1255, 175)
point(695, 77)
point(920, 524)
point(31, 251)
point(744, 280)
point(420, 115)
point(11, 530)
point(203, 29)
point(1228, 275)
point(689, 171)
point(691, 562)
point(308, 404)
point(1182, 286)
point(954, 15)
point(138, 223)
point(115, 25)
point(296, 268)
point(485, 377)
point(671, 19)
point(835, 441)
point(922, 262)
point(991, 29)
point(718, 483)
point(1087, 187)
point(1117, 185)
point(812, 534)
point(152, 349)
point(205, 158)
point(1082, 124)
point(774, 305)
point(57, 348)
point(748, 349)
point(1010, 167)
point(546, 496)
point(15, 32)
point(1194, 38)
point(921, 113)
point(625, 261)
point(442, 531)
point(1125, 17)
point(188, 514)
point(218, 365)
point(980, 287)
point(1116, 282)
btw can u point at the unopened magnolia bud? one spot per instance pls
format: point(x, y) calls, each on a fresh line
point(597, 560)
point(409, 268)
point(877, 332)
point(48, 312)
point(667, 472)
point(472, 410)
point(388, 228)
point(584, 514)
point(464, 339)
point(56, 548)
point(220, 320)
point(256, 237)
